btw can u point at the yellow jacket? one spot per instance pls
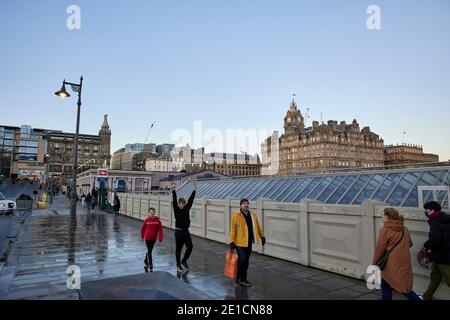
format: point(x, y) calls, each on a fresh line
point(239, 230)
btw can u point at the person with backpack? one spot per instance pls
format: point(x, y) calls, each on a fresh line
point(181, 209)
point(439, 244)
point(150, 231)
point(394, 237)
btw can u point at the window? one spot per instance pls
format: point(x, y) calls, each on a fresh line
point(27, 157)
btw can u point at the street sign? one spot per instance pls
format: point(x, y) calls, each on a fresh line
point(102, 172)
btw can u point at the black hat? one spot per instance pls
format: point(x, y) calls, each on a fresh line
point(243, 200)
point(432, 205)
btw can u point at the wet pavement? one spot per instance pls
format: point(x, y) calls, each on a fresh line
point(104, 246)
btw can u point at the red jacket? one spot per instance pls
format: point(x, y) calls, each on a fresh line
point(151, 228)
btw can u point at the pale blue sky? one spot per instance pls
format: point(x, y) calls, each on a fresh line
point(229, 63)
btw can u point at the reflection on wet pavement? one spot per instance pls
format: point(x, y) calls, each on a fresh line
point(104, 246)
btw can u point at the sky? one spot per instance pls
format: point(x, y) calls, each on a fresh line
point(228, 64)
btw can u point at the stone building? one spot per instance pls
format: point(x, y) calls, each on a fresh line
point(233, 164)
point(324, 146)
point(116, 160)
point(93, 151)
point(38, 153)
point(133, 156)
point(158, 164)
point(186, 158)
point(407, 153)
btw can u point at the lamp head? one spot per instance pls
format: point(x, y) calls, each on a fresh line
point(62, 92)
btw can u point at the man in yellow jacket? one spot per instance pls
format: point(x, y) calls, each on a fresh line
point(245, 230)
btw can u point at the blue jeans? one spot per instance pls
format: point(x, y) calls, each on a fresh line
point(386, 292)
point(243, 261)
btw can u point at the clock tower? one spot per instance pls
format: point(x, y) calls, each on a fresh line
point(294, 123)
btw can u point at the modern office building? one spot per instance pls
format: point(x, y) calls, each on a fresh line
point(22, 152)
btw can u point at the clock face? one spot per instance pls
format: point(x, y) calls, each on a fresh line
point(289, 119)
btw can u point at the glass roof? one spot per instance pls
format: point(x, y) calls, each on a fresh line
point(396, 187)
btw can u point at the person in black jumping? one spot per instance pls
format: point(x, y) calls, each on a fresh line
point(181, 209)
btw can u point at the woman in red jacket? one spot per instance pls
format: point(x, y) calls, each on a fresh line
point(151, 229)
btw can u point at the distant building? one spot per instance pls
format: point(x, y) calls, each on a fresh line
point(117, 180)
point(270, 155)
point(163, 150)
point(231, 158)
point(235, 169)
point(158, 164)
point(116, 160)
point(195, 160)
point(127, 160)
point(182, 178)
point(186, 158)
point(22, 152)
point(140, 158)
point(132, 157)
point(139, 147)
point(135, 161)
point(407, 153)
point(27, 152)
point(233, 164)
point(324, 146)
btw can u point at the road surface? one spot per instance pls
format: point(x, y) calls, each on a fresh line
point(8, 222)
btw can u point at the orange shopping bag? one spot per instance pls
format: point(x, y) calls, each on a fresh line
point(231, 264)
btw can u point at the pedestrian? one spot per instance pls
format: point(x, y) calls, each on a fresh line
point(181, 209)
point(439, 244)
point(83, 200)
point(150, 231)
point(395, 238)
point(89, 202)
point(116, 204)
point(245, 230)
point(94, 198)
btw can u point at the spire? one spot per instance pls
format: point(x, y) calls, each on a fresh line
point(293, 104)
point(105, 125)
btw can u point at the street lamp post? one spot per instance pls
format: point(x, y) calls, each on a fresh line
point(76, 87)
